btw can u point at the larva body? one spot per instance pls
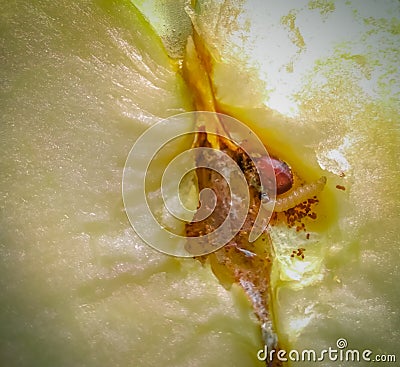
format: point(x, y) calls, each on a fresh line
point(299, 195)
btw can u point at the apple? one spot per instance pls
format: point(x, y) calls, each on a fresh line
point(343, 124)
point(80, 82)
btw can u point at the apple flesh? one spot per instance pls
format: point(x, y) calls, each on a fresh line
point(80, 81)
point(347, 128)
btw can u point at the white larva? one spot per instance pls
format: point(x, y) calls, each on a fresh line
point(300, 194)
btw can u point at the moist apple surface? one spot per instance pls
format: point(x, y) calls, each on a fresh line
point(347, 128)
point(80, 82)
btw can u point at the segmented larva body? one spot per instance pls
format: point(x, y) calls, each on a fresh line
point(300, 194)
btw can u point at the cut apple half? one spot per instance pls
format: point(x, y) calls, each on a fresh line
point(81, 81)
point(327, 263)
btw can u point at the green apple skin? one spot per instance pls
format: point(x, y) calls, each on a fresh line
point(79, 82)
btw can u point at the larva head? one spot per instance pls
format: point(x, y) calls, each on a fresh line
point(283, 173)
